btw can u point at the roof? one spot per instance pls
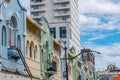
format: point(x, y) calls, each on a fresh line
point(35, 23)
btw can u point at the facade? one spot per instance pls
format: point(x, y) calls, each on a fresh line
point(56, 60)
point(62, 16)
point(46, 52)
point(12, 41)
point(12, 35)
point(111, 72)
point(32, 47)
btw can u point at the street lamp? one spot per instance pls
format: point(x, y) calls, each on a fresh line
point(66, 63)
point(82, 51)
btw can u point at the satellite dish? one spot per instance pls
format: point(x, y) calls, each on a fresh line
point(7, 1)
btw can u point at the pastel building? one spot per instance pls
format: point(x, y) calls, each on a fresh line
point(46, 51)
point(12, 35)
point(12, 41)
point(33, 47)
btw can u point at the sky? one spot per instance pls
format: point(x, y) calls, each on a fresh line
point(99, 29)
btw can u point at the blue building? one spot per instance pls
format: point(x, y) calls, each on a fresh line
point(12, 35)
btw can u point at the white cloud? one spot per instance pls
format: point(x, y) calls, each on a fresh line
point(99, 36)
point(98, 6)
point(96, 10)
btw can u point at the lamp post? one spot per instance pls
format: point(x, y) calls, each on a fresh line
point(82, 51)
point(66, 63)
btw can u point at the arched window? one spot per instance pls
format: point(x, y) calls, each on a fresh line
point(35, 53)
point(18, 42)
point(12, 31)
point(27, 48)
point(4, 36)
point(31, 49)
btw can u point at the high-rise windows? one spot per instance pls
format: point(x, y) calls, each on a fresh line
point(63, 32)
point(35, 14)
point(65, 17)
point(53, 32)
point(35, 7)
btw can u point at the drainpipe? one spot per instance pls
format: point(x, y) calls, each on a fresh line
point(40, 47)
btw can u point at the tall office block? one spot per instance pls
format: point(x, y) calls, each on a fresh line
point(63, 18)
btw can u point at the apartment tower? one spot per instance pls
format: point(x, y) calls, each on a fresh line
point(63, 18)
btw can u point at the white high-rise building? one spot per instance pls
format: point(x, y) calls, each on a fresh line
point(63, 18)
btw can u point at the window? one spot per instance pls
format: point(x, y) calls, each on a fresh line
point(4, 36)
point(65, 17)
point(35, 53)
point(31, 49)
point(39, 0)
point(12, 31)
point(36, 7)
point(63, 32)
point(27, 48)
point(18, 42)
point(65, 4)
point(53, 32)
point(35, 14)
point(54, 64)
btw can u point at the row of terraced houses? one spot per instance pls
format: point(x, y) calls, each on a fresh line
point(29, 52)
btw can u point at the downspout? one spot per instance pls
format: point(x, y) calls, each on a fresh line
point(40, 57)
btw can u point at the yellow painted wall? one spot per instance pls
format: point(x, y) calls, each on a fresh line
point(33, 34)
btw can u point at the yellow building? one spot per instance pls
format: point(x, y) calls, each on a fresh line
point(33, 46)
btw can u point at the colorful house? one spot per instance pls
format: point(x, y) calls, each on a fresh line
point(33, 47)
point(12, 40)
point(46, 51)
point(12, 35)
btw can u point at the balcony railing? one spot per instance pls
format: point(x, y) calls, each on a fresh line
point(62, 14)
point(60, 1)
point(13, 53)
point(62, 7)
point(37, 10)
point(37, 3)
point(53, 69)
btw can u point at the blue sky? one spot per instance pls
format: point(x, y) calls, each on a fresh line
point(100, 29)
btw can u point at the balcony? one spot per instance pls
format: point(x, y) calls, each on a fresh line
point(62, 14)
point(62, 7)
point(37, 3)
point(13, 54)
point(60, 1)
point(52, 70)
point(36, 17)
point(38, 10)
